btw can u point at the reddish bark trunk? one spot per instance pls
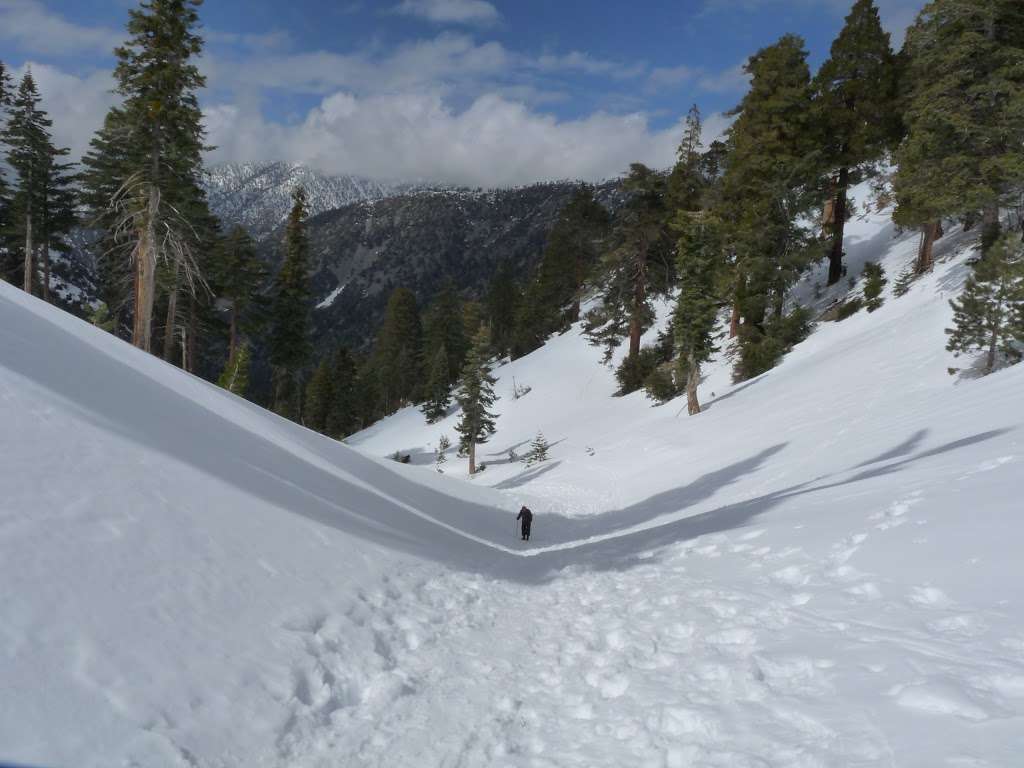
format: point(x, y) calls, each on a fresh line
point(835, 258)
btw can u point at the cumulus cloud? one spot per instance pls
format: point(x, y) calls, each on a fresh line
point(450, 11)
point(495, 141)
point(28, 25)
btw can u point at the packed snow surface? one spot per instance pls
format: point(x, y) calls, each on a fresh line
point(822, 569)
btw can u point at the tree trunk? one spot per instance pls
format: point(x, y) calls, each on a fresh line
point(692, 380)
point(990, 359)
point(46, 269)
point(193, 332)
point(639, 296)
point(990, 228)
point(145, 275)
point(29, 246)
point(172, 312)
point(835, 258)
point(472, 458)
point(734, 320)
point(233, 332)
point(929, 232)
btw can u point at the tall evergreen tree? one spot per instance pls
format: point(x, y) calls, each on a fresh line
point(699, 259)
point(475, 397)
point(964, 116)
point(105, 167)
point(686, 181)
point(319, 397)
point(5, 199)
point(768, 186)
point(437, 395)
point(551, 301)
point(399, 352)
point(158, 78)
point(238, 274)
point(855, 111)
point(59, 211)
point(343, 414)
point(502, 303)
point(33, 158)
point(289, 343)
point(637, 268)
point(990, 313)
point(443, 327)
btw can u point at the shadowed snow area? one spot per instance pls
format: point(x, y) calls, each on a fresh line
point(822, 569)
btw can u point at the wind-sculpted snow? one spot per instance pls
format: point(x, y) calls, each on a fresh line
point(822, 569)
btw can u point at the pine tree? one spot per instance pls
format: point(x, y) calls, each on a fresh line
point(5, 194)
point(235, 378)
point(767, 187)
point(637, 269)
point(475, 397)
point(443, 327)
point(686, 182)
point(319, 397)
point(398, 356)
point(105, 167)
point(438, 390)
point(162, 125)
point(343, 415)
point(288, 343)
point(238, 274)
point(699, 259)
point(41, 201)
point(874, 284)
point(551, 302)
point(502, 303)
point(538, 450)
point(964, 115)
point(902, 284)
point(855, 110)
point(990, 313)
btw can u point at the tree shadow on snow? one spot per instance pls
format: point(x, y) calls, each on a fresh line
point(527, 475)
point(640, 547)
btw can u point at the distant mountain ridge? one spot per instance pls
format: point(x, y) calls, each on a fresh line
point(258, 195)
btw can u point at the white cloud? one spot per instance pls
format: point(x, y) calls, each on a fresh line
point(495, 141)
point(450, 11)
point(449, 57)
point(731, 80)
point(32, 28)
point(577, 61)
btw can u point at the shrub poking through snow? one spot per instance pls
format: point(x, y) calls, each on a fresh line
point(902, 284)
point(439, 455)
point(538, 450)
point(874, 284)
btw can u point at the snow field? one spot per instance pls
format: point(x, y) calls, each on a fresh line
point(820, 570)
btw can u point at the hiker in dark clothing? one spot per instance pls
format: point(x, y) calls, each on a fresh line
point(527, 517)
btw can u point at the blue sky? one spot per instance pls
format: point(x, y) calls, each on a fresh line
point(470, 91)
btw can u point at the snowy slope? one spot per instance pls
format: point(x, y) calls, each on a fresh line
point(820, 570)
